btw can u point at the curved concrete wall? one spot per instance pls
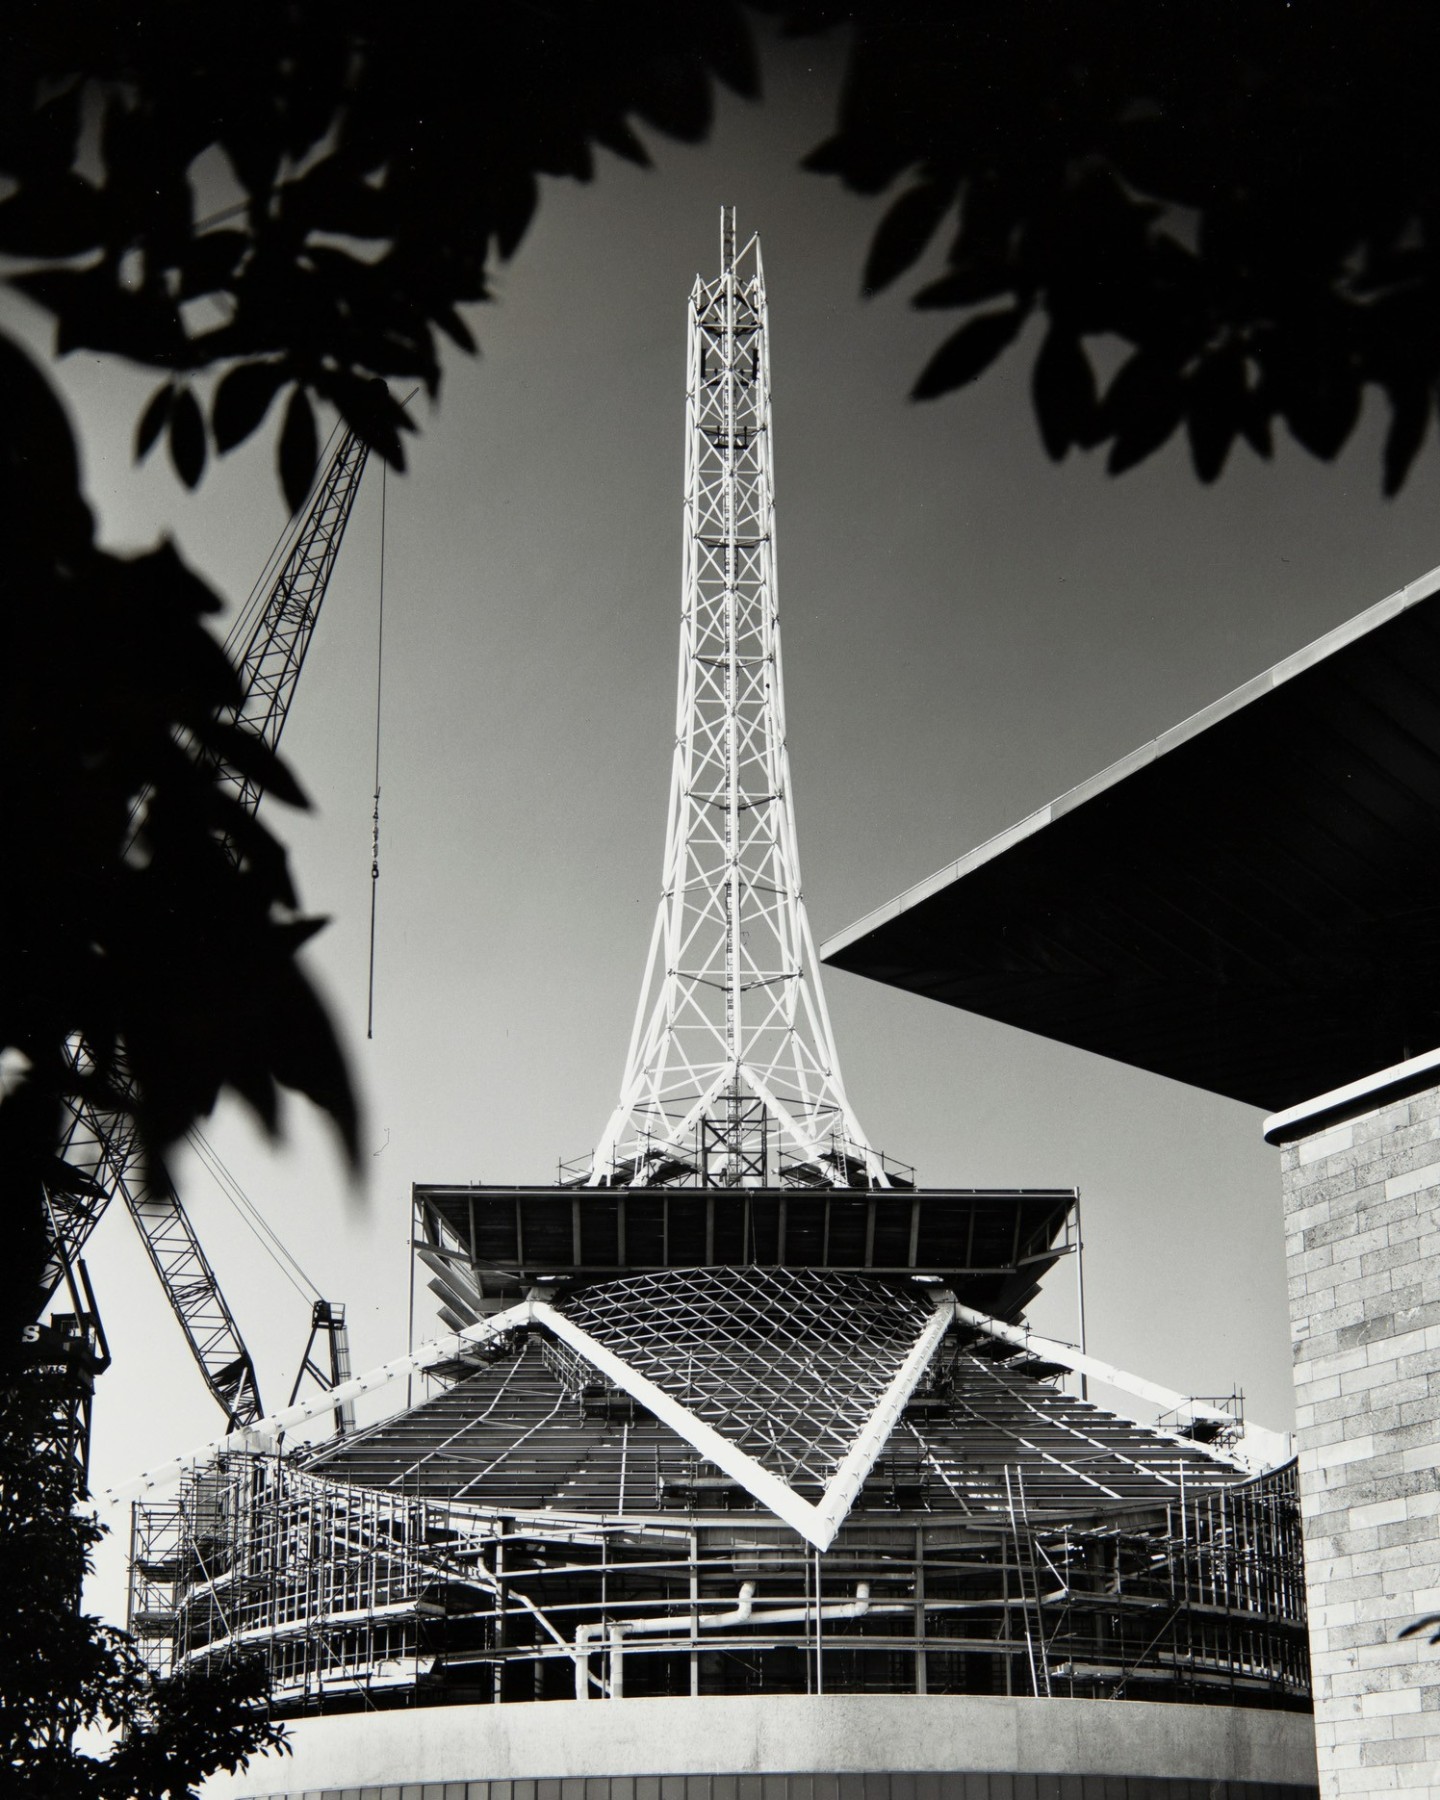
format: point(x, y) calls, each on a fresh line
point(782, 1733)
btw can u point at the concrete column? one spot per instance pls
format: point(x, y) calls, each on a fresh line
point(1362, 1217)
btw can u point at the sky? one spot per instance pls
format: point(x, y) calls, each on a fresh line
point(969, 630)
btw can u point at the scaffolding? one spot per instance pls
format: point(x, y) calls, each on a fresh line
point(365, 1597)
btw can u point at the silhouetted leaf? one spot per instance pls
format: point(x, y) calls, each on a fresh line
point(46, 517)
point(370, 408)
point(1063, 388)
point(455, 328)
point(153, 420)
point(1141, 409)
point(242, 400)
point(1321, 407)
point(66, 1178)
point(297, 450)
point(211, 261)
point(92, 312)
point(827, 158)
point(109, 674)
point(1409, 416)
point(967, 286)
point(249, 755)
point(905, 231)
point(1255, 422)
point(330, 198)
point(969, 352)
point(187, 438)
point(59, 217)
point(516, 200)
point(1215, 406)
point(616, 135)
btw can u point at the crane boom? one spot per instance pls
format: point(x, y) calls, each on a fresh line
point(100, 1151)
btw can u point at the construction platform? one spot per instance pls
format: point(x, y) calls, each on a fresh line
point(486, 1246)
point(533, 1531)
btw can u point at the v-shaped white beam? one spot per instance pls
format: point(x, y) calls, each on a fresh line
point(817, 1524)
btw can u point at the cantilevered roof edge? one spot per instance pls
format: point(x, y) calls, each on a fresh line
point(1380, 614)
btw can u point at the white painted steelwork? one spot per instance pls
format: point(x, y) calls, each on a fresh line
point(817, 1523)
point(789, 1364)
point(1258, 1447)
point(732, 1077)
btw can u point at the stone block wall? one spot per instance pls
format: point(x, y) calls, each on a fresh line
point(1362, 1212)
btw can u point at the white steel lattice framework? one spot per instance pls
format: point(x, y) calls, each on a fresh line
point(732, 1077)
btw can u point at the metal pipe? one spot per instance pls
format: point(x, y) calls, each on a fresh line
point(583, 1636)
point(738, 1614)
point(743, 1613)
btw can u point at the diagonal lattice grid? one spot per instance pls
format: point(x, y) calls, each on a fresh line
point(787, 1364)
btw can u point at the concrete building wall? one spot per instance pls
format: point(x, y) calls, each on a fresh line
point(1091, 1749)
point(1362, 1209)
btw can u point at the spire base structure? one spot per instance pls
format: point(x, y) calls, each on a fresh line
point(732, 1079)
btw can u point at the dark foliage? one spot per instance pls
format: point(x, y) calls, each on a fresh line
point(273, 207)
point(365, 161)
point(145, 933)
point(1241, 195)
point(62, 1671)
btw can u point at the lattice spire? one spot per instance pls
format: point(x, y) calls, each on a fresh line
point(732, 1077)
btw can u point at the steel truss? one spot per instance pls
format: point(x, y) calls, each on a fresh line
point(797, 1384)
point(361, 1596)
point(732, 1077)
point(100, 1154)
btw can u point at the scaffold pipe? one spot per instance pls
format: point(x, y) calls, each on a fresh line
point(264, 1435)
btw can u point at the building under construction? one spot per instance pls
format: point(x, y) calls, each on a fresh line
point(737, 1448)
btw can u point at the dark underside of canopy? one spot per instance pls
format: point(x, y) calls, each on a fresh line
point(1249, 904)
point(991, 1247)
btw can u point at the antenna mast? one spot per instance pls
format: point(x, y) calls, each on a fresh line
point(732, 1078)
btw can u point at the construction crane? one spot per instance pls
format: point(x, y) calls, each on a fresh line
point(100, 1154)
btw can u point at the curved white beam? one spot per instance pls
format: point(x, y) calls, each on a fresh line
point(265, 1433)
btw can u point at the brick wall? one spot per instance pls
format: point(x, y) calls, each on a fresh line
point(1362, 1214)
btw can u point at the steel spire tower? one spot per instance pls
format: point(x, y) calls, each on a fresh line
point(732, 1077)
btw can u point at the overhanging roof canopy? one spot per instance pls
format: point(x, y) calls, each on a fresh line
point(1250, 903)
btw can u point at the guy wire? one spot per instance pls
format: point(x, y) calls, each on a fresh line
point(375, 816)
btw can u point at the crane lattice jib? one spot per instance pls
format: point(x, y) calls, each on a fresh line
point(100, 1150)
point(274, 651)
point(732, 1076)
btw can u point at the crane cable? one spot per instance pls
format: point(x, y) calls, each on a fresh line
point(250, 1214)
point(254, 603)
point(375, 816)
